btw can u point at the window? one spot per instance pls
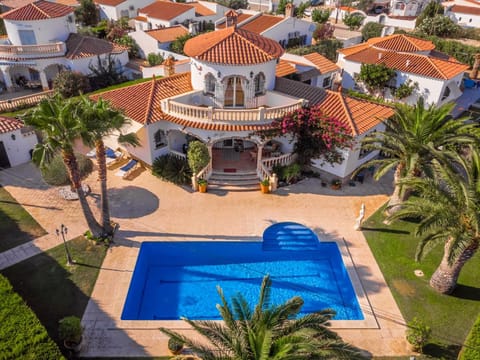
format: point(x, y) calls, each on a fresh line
point(210, 83)
point(27, 37)
point(259, 84)
point(160, 139)
point(327, 82)
point(234, 96)
point(446, 93)
point(400, 6)
point(293, 35)
point(470, 20)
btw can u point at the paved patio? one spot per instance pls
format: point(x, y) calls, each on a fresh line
point(148, 209)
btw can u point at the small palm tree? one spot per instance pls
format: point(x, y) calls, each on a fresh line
point(448, 205)
point(55, 118)
point(266, 332)
point(99, 120)
point(412, 138)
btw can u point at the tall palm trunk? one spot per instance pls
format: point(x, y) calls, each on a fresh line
point(72, 166)
point(444, 279)
point(396, 199)
point(102, 176)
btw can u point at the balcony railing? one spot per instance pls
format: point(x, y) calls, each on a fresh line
point(211, 114)
point(32, 51)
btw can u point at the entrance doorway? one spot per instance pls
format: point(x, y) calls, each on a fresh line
point(234, 96)
point(234, 155)
point(4, 162)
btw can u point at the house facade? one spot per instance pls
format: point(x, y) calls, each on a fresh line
point(466, 16)
point(438, 77)
point(16, 142)
point(116, 9)
point(158, 40)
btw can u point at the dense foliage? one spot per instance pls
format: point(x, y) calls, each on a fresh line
point(323, 32)
point(287, 173)
point(441, 26)
point(198, 156)
point(154, 59)
point(70, 83)
point(320, 16)
point(22, 336)
point(471, 349)
point(418, 334)
point(406, 89)
point(353, 21)
point(178, 44)
point(86, 13)
point(432, 9)
point(234, 4)
point(105, 74)
point(300, 9)
point(55, 173)
point(327, 48)
point(375, 76)
point(172, 169)
point(371, 30)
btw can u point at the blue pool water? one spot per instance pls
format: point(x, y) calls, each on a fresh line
point(174, 279)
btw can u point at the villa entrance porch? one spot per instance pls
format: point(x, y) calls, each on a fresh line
point(234, 155)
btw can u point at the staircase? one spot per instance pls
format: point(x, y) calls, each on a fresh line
point(289, 236)
point(237, 181)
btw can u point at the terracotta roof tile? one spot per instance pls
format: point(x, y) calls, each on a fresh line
point(240, 18)
point(322, 63)
point(168, 34)
point(79, 46)
point(109, 2)
point(410, 63)
point(201, 10)
point(38, 10)
point(401, 43)
point(465, 9)
point(141, 18)
point(164, 10)
point(359, 115)
point(13, 4)
point(68, 2)
point(284, 68)
point(233, 46)
point(8, 124)
point(262, 23)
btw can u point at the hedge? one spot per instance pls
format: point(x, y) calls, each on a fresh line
point(22, 336)
point(471, 349)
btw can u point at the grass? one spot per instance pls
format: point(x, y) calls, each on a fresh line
point(16, 225)
point(450, 317)
point(54, 290)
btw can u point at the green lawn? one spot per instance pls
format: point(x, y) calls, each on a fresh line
point(450, 317)
point(54, 290)
point(16, 225)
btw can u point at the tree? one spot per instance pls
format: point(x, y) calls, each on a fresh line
point(315, 134)
point(70, 83)
point(281, 6)
point(86, 13)
point(178, 44)
point(448, 206)
point(353, 21)
point(198, 156)
point(371, 30)
point(439, 26)
point(432, 9)
point(326, 47)
point(107, 74)
point(129, 43)
point(266, 332)
point(320, 16)
point(413, 137)
point(300, 9)
point(55, 118)
point(99, 120)
point(154, 59)
point(323, 32)
point(375, 76)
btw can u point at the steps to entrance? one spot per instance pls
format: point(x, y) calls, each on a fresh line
point(289, 236)
point(241, 180)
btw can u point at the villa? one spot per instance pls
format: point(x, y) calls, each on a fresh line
point(16, 142)
point(231, 93)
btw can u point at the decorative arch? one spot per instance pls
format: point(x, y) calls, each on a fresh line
point(259, 83)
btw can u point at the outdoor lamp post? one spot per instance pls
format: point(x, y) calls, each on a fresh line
point(63, 230)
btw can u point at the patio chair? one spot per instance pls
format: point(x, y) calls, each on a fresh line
point(124, 170)
point(119, 159)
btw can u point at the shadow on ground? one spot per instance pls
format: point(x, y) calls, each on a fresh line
point(131, 202)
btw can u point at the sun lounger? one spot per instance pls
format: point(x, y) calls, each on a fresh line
point(125, 169)
point(109, 154)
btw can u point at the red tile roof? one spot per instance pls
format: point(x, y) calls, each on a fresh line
point(321, 63)
point(465, 9)
point(233, 46)
point(167, 34)
point(397, 42)
point(240, 19)
point(13, 4)
point(38, 10)
point(8, 124)
point(262, 23)
point(201, 10)
point(79, 46)
point(109, 2)
point(165, 10)
point(284, 68)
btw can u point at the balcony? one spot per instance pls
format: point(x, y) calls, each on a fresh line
point(270, 106)
point(32, 51)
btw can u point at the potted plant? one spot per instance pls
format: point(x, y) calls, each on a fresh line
point(70, 331)
point(336, 184)
point(202, 185)
point(175, 346)
point(265, 186)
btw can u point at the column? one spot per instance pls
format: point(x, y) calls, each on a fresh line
point(259, 156)
point(44, 81)
point(8, 80)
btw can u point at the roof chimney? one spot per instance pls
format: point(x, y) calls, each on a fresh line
point(289, 10)
point(169, 66)
point(380, 56)
point(232, 18)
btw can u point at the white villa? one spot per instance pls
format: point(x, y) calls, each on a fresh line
point(438, 76)
point(466, 16)
point(42, 40)
point(230, 93)
point(116, 9)
point(16, 142)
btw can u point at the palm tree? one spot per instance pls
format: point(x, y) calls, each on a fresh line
point(448, 205)
point(99, 120)
point(267, 332)
point(412, 138)
point(55, 118)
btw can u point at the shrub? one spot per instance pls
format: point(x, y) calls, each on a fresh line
point(22, 336)
point(154, 59)
point(292, 172)
point(471, 349)
point(175, 346)
point(353, 21)
point(198, 156)
point(172, 169)
point(418, 334)
point(371, 30)
point(70, 329)
point(320, 16)
point(70, 83)
point(56, 173)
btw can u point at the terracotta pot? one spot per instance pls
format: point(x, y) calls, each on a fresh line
point(336, 186)
point(202, 188)
point(265, 189)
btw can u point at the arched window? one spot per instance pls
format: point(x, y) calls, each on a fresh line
point(160, 139)
point(210, 83)
point(234, 96)
point(259, 82)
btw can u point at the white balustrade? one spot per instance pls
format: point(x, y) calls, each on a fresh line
point(282, 160)
point(178, 154)
point(55, 49)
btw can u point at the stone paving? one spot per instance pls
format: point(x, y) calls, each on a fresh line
point(148, 209)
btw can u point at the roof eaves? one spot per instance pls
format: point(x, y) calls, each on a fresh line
point(353, 126)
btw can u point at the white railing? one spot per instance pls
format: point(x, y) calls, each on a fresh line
point(283, 160)
point(55, 49)
point(178, 154)
point(205, 172)
point(263, 172)
point(202, 113)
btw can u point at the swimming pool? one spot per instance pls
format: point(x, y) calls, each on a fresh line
point(174, 279)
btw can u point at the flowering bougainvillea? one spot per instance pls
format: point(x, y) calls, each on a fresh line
point(315, 134)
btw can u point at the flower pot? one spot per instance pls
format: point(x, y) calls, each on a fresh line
point(336, 186)
point(73, 346)
point(202, 188)
point(265, 189)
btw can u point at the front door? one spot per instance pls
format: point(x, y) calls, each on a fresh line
point(4, 162)
point(234, 96)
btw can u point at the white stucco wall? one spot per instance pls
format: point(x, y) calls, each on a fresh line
point(107, 12)
point(129, 6)
point(82, 64)
point(384, 19)
point(46, 31)
point(18, 149)
point(281, 30)
point(146, 43)
point(159, 70)
point(465, 20)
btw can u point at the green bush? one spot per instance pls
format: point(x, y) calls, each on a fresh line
point(70, 83)
point(154, 59)
point(418, 334)
point(70, 329)
point(56, 173)
point(198, 156)
point(22, 336)
point(287, 173)
point(471, 349)
point(172, 169)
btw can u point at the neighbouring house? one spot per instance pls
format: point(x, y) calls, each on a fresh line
point(42, 41)
point(407, 7)
point(116, 9)
point(166, 14)
point(16, 142)
point(312, 69)
point(397, 21)
point(466, 16)
point(268, 5)
point(230, 94)
point(439, 77)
